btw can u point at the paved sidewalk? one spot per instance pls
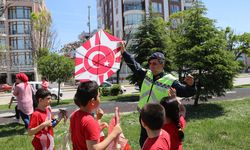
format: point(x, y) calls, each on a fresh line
point(7, 116)
point(108, 107)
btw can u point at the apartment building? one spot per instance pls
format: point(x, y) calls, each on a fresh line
point(16, 53)
point(119, 16)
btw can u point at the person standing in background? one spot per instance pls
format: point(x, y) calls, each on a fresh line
point(45, 83)
point(23, 93)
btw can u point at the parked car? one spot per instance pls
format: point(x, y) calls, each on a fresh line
point(77, 83)
point(5, 87)
point(137, 87)
point(107, 84)
point(54, 91)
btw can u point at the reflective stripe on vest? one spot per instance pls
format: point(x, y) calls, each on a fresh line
point(153, 92)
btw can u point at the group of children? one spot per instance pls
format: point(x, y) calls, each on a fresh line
point(163, 122)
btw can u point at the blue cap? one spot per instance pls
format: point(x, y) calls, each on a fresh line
point(157, 55)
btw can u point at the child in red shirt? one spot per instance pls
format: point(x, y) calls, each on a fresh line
point(42, 121)
point(152, 119)
point(85, 130)
point(175, 122)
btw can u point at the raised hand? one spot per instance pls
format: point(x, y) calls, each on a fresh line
point(122, 45)
point(99, 113)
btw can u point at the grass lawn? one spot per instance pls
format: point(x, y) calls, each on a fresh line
point(242, 75)
point(120, 98)
point(210, 126)
point(242, 86)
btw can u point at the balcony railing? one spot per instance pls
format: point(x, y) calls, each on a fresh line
point(34, 1)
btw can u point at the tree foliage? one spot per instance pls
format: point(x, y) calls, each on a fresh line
point(69, 49)
point(237, 44)
point(56, 68)
point(201, 50)
point(42, 36)
point(151, 36)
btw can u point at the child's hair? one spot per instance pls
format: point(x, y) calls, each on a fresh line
point(153, 115)
point(44, 78)
point(42, 93)
point(85, 92)
point(172, 112)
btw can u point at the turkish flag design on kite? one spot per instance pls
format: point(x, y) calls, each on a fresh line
point(98, 58)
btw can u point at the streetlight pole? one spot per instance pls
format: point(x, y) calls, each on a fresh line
point(89, 19)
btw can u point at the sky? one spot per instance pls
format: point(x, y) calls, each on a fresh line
point(70, 17)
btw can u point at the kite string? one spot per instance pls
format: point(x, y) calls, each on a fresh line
point(99, 55)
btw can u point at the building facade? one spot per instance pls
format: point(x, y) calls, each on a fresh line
point(16, 54)
point(122, 17)
point(119, 16)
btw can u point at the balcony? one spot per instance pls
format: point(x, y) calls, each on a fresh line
point(189, 1)
point(33, 1)
point(2, 18)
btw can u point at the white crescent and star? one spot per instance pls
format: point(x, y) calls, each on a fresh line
point(81, 52)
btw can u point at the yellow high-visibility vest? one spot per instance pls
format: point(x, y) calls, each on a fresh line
point(153, 92)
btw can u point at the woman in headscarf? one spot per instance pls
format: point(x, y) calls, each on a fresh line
point(23, 93)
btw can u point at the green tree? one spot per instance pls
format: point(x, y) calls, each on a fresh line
point(238, 45)
point(201, 50)
point(42, 36)
point(57, 68)
point(151, 36)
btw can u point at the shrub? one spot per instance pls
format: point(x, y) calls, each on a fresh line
point(115, 89)
point(105, 91)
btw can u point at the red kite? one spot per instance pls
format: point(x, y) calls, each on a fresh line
point(98, 58)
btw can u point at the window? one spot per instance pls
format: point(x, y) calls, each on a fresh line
point(99, 13)
point(20, 27)
point(117, 24)
point(99, 3)
point(19, 12)
point(99, 23)
point(3, 58)
point(174, 8)
point(2, 43)
point(187, 7)
point(116, 10)
point(2, 27)
point(157, 7)
point(117, 33)
point(175, 0)
point(133, 5)
point(110, 17)
point(132, 19)
point(21, 58)
point(20, 43)
point(105, 9)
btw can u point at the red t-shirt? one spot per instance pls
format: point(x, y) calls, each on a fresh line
point(171, 128)
point(83, 127)
point(45, 137)
point(162, 142)
point(45, 85)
